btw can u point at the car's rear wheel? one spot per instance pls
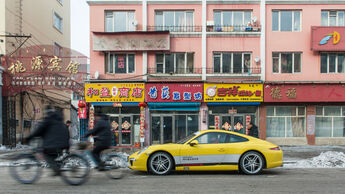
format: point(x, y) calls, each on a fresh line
point(160, 163)
point(252, 163)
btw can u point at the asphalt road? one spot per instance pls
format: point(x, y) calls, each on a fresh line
point(279, 180)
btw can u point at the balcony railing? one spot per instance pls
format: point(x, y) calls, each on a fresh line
point(175, 28)
point(176, 71)
point(233, 28)
point(235, 71)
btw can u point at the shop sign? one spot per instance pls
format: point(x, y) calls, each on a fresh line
point(232, 111)
point(326, 38)
point(91, 117)
point(174, 92)
point(114, 92)
point(233, 92)
point(304, 93)
point(310, 124)
point(115, 104)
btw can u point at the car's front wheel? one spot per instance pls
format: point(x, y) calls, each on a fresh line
point(160, 163)
point(251, 163)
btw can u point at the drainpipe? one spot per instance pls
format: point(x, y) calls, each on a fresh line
point(203, 41)
point(1, 84)
point(263, 39)
point(144, 6)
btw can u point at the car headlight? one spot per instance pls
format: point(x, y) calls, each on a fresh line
point(142, 150)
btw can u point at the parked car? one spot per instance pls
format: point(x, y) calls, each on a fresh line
point(209, 150)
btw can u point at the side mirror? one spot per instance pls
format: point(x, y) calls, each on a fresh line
point(194, 143)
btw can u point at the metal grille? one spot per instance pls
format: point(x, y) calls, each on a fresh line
point(84, 126)
point(9, 121)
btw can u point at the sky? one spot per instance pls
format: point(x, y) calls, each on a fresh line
point(80, 27)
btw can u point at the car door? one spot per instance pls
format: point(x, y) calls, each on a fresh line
point(235, 148)
point(207, 155)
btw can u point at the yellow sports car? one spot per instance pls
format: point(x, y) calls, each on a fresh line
point(209, 150)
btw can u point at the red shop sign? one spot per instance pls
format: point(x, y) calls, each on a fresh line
point(326, 38)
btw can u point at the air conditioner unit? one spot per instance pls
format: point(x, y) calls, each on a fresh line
point(210, 23)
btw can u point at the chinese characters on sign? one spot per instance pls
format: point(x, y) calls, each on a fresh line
point(91, 117)
point(233, 92)
point(276, 93)
point(180, 92)
point(116, 92)
point(216, 122)
point(142, 124)
point(37, 64)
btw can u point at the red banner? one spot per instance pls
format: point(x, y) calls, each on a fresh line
point(325, 38)
point(82, 113)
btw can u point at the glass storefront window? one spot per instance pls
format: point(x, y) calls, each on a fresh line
point(285, 121)
point(330, 121)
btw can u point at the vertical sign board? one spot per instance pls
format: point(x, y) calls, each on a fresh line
point(216, 122)
point(310, 124)
point(142, 124)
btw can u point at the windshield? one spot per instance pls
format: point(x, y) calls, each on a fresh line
point(184, 140)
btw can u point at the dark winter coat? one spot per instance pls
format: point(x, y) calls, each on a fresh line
point(254, 131)
point(101, 132)
point(53, 131)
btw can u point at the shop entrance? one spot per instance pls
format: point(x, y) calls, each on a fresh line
point(125, 128)
point(170, 128)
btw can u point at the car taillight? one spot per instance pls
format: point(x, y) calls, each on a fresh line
point(275, 148)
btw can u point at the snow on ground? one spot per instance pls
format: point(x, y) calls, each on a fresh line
point(329, 159)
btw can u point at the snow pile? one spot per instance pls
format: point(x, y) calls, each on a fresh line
point(329, 159)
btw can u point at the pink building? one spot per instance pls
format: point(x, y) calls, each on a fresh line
point(203, 65)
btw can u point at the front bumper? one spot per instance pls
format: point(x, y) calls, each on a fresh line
point(138, 161)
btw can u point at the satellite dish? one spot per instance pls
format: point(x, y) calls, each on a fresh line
point(257, 59)
point(96, 75)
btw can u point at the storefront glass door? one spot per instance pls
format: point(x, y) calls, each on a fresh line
point(123, 127)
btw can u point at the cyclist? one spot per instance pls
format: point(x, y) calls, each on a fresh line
point(55, 137)
point(102, 136)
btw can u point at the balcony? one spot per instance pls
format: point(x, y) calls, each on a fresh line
point(233, 28)
point(178, 71)
point(252, 72)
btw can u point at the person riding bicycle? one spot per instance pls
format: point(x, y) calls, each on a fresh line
point(55, 137)
point(102, 136)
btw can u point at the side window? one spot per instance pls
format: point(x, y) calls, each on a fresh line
point(212, 138)
point(235, 139)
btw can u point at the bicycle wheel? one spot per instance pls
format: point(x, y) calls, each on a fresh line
point(25, 169)
point(75, 169)
point(115, 166)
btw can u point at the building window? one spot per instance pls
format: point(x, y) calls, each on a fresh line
point(231, 20)
point(120, 63)
point(332, 18)
point(332, 63)
point(287, 62)
point(179, 63)
point(285, 121)
point(60, 1)
point(286, 20)
point(119, 21)
point(231, 62)
point(330, 121)
point(174, 20)
point(57, 49)
point(58, 24)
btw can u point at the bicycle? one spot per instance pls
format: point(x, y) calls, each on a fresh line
point(26, 168)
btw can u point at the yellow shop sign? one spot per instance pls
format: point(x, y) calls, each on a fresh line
point(214, 92)
point(115, 92)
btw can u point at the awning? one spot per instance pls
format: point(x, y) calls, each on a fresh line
point(233, 103)
point(174, 106)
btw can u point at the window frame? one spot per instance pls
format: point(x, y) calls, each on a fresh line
point(107, 63)
point(293, 62)
point(113, 20)
point(220, 54)
point(336, 71)
point(232, 16)
point(56, 15)
point(292, 21)
point(60, 1)
point(59, 47)
point(286, 117)
point(164, 27)
point(342, 115)
point(337, 17)
point(175, 61)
